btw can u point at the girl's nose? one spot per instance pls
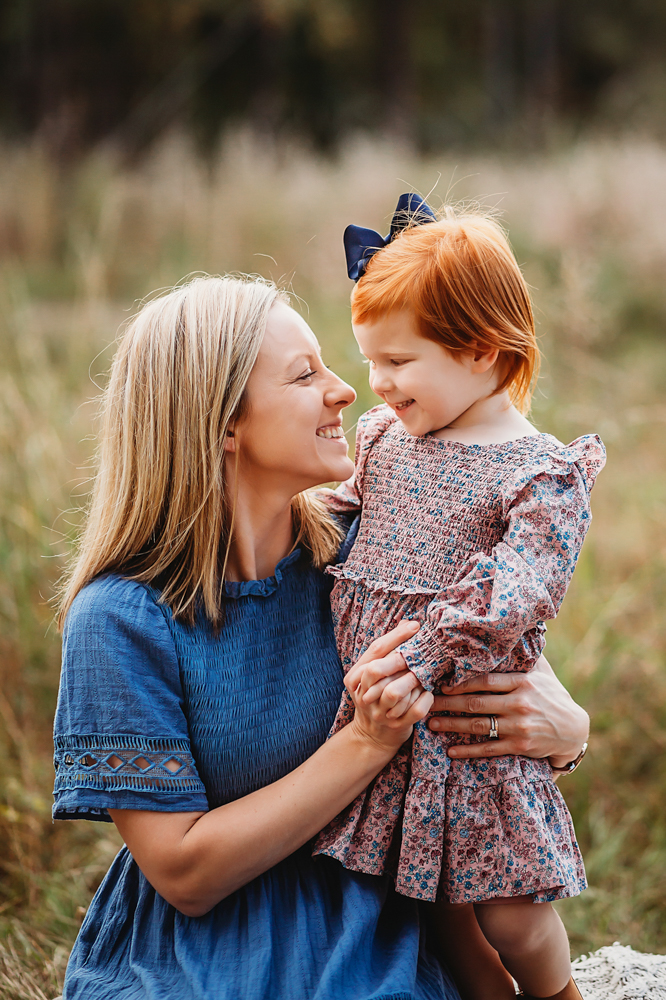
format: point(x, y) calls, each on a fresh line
point(380, 381)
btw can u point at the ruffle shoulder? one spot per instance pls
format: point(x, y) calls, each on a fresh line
point(579, 462)
point(370, 428)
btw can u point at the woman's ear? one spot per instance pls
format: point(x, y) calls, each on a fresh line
point(230, 441)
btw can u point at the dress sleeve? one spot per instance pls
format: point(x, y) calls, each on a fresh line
point(347, 498)
point(492, 618)
point(121, 737)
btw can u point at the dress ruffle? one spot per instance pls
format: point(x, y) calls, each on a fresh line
point(260, 588)
point(377, 586)
point(484, 829)
point(513, 838)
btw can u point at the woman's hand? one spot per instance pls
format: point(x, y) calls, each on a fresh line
point(388, 697)
point(536, 716)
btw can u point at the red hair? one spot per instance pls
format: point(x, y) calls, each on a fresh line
point(461, 280)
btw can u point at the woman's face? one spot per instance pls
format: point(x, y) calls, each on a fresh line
point(291, 438)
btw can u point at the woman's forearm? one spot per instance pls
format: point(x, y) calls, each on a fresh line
point(195, 860)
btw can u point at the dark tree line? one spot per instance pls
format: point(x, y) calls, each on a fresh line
point(432, 72)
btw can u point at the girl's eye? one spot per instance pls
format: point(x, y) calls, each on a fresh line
point(397, 364)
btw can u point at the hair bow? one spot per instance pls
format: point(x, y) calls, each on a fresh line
point(361, 244)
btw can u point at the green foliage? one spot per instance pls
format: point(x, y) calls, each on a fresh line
point(78, 247)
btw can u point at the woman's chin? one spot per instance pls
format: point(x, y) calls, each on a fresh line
point(346, 471)
point(338, 472)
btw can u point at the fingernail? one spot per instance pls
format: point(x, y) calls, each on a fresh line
point(453, 752)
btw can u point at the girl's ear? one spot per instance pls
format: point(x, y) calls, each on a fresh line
point(482, 360)
point(229, 441)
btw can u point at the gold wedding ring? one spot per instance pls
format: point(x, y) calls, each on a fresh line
point(494, 729)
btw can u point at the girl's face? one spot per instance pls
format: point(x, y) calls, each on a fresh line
point(291, 438)
point(426, 386)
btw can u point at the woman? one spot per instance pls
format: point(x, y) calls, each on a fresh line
point(200, 677)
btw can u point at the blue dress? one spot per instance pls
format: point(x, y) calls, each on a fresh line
point(225, 711)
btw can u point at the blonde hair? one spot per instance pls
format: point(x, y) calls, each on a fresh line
point(160, 510)
point(461, 280)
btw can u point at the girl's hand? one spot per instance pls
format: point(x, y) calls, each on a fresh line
point(536, 715)
point(388, 698)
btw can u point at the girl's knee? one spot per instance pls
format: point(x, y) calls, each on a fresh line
point(515, 927)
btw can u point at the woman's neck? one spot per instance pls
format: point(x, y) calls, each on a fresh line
point(263, 533)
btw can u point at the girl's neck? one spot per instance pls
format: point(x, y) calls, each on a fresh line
point(490, 420)
point(263, 532)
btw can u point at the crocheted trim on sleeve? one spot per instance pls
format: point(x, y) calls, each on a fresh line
point(125, 763)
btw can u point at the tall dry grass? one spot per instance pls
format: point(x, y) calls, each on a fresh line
point(79, 246)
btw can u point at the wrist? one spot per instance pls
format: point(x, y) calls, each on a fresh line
point(369, 747)
point(568, 766)
point(579, 733)
point(562, 760)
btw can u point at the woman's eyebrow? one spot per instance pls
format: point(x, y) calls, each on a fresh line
point(299, 359)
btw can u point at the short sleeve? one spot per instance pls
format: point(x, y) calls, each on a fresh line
point(121, 738)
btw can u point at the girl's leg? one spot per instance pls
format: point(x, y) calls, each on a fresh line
point(532, 943)
point(455, 937)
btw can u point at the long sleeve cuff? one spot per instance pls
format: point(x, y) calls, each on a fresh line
point(433, 657)
point(425, 656)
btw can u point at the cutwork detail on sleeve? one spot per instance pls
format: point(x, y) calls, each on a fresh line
point(125, 763)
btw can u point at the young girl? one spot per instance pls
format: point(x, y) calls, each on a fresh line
point(471, 522)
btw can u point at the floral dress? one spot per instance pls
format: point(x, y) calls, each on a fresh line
point(479, 542)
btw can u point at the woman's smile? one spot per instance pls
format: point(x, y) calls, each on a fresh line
point(332, 432)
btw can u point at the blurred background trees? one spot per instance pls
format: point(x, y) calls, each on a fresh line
point(429, 73)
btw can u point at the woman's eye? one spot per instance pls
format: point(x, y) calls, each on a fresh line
point(305, 376)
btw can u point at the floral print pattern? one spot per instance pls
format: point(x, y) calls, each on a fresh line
point(479, 542)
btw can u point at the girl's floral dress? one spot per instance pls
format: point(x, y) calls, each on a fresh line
point(479, 542)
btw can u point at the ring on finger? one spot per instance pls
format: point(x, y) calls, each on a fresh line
point(494, 728)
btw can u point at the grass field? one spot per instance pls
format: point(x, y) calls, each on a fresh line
point(80, 245)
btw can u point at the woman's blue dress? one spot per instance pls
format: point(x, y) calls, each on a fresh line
point(229, 713)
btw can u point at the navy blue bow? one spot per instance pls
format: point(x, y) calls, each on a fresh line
point(362, 244)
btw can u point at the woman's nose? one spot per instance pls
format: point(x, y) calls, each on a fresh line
point(339, 393)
